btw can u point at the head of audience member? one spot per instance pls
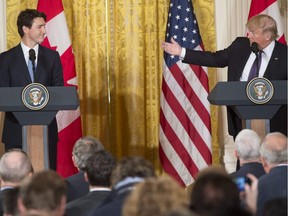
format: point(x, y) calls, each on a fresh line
point(215, 193)
point(10, 197)
point(262, 29)
point(99, 168)
point(273, 150)
point(154, 196)
point(43, 194)
point(247, 146)
point(133, 168)
point(15, 166)
point(83, 149)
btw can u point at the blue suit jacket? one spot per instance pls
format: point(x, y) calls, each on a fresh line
point(254, 168)
point(113, 204)
point(270, 186)
point(84, 205)
point(235, 57)
point(76, 186)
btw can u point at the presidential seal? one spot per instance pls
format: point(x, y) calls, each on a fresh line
point(35, 96)
point(259, 90)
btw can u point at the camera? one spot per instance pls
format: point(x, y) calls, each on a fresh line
point(241, 181)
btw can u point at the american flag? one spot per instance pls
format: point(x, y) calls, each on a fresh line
point(185, 126)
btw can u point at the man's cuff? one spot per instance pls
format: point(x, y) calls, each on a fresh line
point(182, 54)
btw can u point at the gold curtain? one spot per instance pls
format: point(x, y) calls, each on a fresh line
point(119, 67)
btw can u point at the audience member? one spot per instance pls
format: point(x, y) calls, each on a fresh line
point(97, 173)
point(44, 194)
point(215, 193)
point(128, 172)
point(247, 150)
point(15, 166)
point(276, 207)
point(155, 196)
point(273, 185)
point(10, 197)
point(84, 147)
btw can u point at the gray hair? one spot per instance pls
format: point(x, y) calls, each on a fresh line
point(83, 148)
point(274, 148)
point(264, 22)
point(15, 165)
point(247, 145)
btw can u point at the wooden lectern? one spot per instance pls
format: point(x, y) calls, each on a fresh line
point(34, 122)
point(234, 94)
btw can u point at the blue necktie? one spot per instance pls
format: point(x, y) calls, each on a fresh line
point(30, 68)
point(254, 72)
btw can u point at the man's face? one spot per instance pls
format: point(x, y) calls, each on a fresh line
point(257, 35)
point(36, 33)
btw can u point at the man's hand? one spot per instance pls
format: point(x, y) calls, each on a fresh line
point(172, 48)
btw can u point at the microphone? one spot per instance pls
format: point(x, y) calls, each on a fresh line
point(32, 58)
point(254, 48)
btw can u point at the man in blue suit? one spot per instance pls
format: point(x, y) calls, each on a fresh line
point(273, 185)
point(238, 57)
point(247, 150)
point(14, 72)
point(128, 172)
point(84, 148)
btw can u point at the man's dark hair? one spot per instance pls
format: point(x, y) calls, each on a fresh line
point(215, 194)
point(99, 167)
point(132, 166)
point(26, 17)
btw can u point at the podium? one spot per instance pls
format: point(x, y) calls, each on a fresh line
point(35, 121)
point(233, 94)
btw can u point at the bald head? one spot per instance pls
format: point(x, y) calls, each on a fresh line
point(274, 148)
point(15, 166)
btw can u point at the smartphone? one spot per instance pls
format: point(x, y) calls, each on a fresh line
point(241, 181)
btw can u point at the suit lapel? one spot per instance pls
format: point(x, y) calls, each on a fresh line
point(40, 63)
point(22, 63)
point(273, 62)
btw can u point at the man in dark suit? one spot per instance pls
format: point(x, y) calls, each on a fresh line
point(97, 173)
point(14, 72)
point(84, 148)
point(15, 166)
point(262, 29)
point(128, 172)
point(273, 185)
point(247, 150)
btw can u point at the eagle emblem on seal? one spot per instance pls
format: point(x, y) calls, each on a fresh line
point(259, 90)
point(35, 96)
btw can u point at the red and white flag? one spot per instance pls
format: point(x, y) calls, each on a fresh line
point(271, 8)
point(185, 126)
point(69, 122)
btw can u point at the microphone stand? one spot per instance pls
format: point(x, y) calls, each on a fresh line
point(32, 57)
point(257, 60)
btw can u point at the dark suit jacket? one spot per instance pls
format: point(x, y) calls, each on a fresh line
point(235, 57)
point(76, 186)
point(14, 73)
point(84, 205)
point(112, 205)
point(270, 186)
point(2, 195)
point(254, 168)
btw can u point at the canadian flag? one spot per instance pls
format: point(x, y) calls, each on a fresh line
point(271, 8)
point(69, 122)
